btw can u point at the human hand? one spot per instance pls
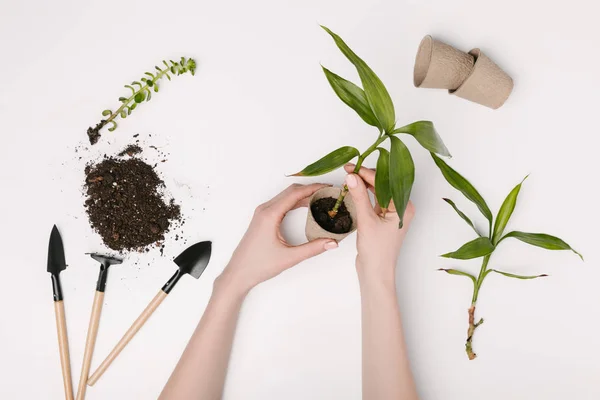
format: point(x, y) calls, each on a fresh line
point(378, 239)
point(263, 253)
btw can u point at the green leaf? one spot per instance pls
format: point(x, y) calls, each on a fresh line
point(383, 191)
point(133, 106)
point(123, 114)
point(464, 186)
point(353, 96)
point(330, 162)
point(148, 95)
point(136, 83)
point(402, 175)
point(514, 275)
point(113, 126)
point(140, 97)
point(106, 112)
point(377, 95)
point(130, 87)
point(168, 76)
point(508, 206)
point(542, 240)
point(150, 74)
point(156, 88)
point(426, 135)
point(123, 99)
point(462, 215)
point(158, 69)
point(461, 273)
point(475, 248)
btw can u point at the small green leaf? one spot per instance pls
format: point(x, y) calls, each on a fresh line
point(106, 112)
point(133, 106)
point(506, 210)
point(514, 275)
point(140, 97)
point(353, 96)
point(383, 191)
point(426, 135)
point(113, 126)
point(150, 74)
point(166, 64)
point(136, 83)
point(461, 273)
point(128, 111)
point(462, 215)
point(330, 162)
point(130, 87)
point(148, 95)
point(158, 69)
point(542, 240)
point(402, 175)
point(123, 99)
point(475, 248)
point(377, 95)
point(464, 186)
point(173, 71)
point(123, 114)
point(156, 88)
point(168, 76)
point(149, 83)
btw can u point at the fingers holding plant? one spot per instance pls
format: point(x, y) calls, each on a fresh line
point(263, 253)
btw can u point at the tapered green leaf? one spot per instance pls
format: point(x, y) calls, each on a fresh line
point(475, 248)
point(123, 114)
point(461, 273)
point(377, 95)
point(383, 191)
point(464, 186)
point(113, 126)
point(426, 135)
point(123, 99)
point(402, 175)
point(542, 240)
point(106, 112)
point(131, 88)
point(462, 215)
point(514, 275)
point(331, 161)
point(353, 96)
point(508, 206)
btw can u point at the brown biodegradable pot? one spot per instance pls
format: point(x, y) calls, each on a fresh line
point(441, 66)
point(488, 84)
point(314, 230)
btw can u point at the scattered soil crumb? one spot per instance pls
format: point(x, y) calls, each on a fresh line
point(124, 204)
point(131, 150)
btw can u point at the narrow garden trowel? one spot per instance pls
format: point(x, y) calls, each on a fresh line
point(56, 264)
point(90, 342)
point(192, 261)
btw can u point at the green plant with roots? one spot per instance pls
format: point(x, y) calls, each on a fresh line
point(395, 168)
point(485, 245)
point(141, 91)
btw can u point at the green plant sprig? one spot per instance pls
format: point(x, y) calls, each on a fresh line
point(141, 91)
point(395, 168)
point(485, 245)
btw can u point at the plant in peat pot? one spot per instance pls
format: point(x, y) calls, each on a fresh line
point(331, 209)
point(485, 245)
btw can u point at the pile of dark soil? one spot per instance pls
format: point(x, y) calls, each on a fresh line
point(124, 204)
point(341, 223)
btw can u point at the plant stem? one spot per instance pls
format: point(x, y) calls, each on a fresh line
point(472, 325)
point(357, 167)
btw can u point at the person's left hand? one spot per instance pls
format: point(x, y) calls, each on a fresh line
point(263, 253)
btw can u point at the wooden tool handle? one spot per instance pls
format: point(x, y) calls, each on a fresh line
point(139, 322)
point(63, 346)
point(90, 342)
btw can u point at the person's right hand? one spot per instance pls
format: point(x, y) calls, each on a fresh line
point(378, 238)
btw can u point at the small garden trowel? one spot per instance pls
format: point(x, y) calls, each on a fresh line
point(90, 342)
point(56, 264)
point(192, 261)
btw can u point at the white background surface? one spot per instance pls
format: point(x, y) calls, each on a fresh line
point(260, 107)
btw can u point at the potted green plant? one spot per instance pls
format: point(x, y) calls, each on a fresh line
point(331, 210)
point(484, 245)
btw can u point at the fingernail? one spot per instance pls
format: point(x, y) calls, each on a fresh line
point(331, 245)
point(350, 165)
point(351, 181)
